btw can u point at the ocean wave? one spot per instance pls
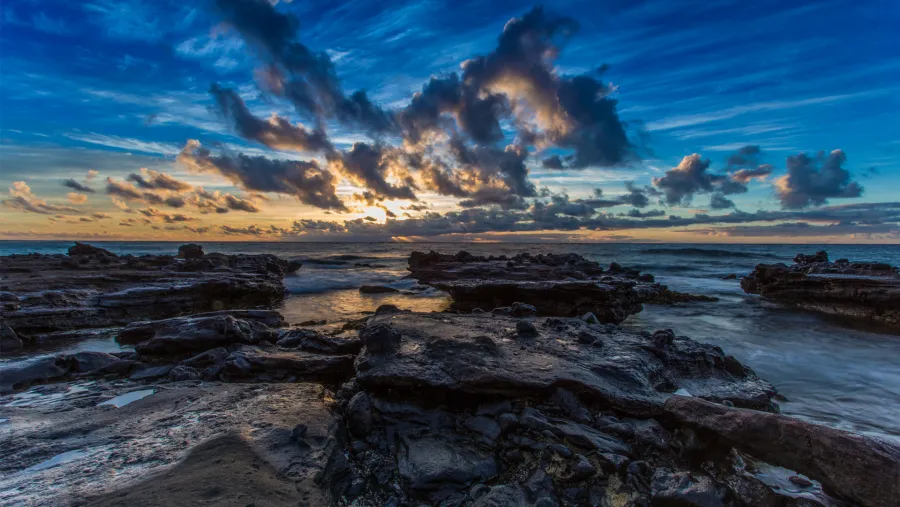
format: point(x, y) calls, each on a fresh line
point(345, 260)
point(312, 282)
point(707, 252)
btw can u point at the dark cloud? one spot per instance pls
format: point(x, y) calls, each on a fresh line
point(812, 181)
point(276, 132)
point(368, 164)
point(745, 157)
point(155, 214)
point(155, 180)
point(719, 201)
point(691, 177)
point(123, 189)
point(304, 180)
point(636, 213)
point(552, 162)
point(238, 204)
point(305, 77)
point(77, 186)
point(746, 175)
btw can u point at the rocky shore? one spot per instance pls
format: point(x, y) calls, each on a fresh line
point(502, 401)
point(860, 292)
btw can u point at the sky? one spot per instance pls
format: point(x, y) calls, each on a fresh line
point(650, 121)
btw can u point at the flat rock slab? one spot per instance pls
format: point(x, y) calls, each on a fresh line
point(859, 292)
point(92, 289)
point(612, 301)
point(102, 450)
point(201, 332)
point(484, 355)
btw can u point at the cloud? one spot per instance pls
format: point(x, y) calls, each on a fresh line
point(80, 187)
point(123, 189)
point(155, 214)
point(691, 177)
point(746, 175)
point(155, 180)
point(276, 132)
point(21, 198)
point(812, 181)
point(76, 198)
point(305, 181)
point(367, 164)
point(719, 201)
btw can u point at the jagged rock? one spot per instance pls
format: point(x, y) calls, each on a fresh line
point(359, 415)
point(85, 362)
point(200, 332)
point(862, 469)
point(182, 373)
point(868, 293)
point(151, 372)
point(312, 341)
point(190, 251)
point(380, 338)
point(471, 354)
point(9, 340)
point(22, 375)
point(519, 309)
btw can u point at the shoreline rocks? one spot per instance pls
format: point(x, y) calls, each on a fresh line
point(49, 295)
point(866, 293)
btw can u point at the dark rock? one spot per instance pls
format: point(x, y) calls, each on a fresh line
point(190, 251)
point(526, 329)
point(568, 403)
point(377, 289)
point(182, 373)
point(862, 469)
point(582, 468)
point(519, 309)
point(380, 338)
point(254, 361)
point(83, 362)
point(561, 450)
point(9, 340)
point(588, 438)
point(485, 427)
point(731, 276)
point(26, 373)
point(440, 470)
point(539, 487)
point(472, 355)
point(313, 341)
point(505, 495)
point(494, 409)
point(360, 418)
point(292, 267)
point(200, 332)
point(151, 372)
point(864, 293)
point(684, 489)
point(507, 421)
point(86, 249)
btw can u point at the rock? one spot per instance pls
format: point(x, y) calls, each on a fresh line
point(190, 251)
point(313, 341)
point(210, 357)
point(292, 267)
point(96, 289)
point(485, 427)
point(182, 373)
point(281, 365)
point(359, 415)
point(438, 470)
point(526, 329)
point(494, 409)
point(684, 489)
point(862, 469)
point(500, 496)
point(568, 403)
point(21, 375)
point(867, 294)
point(539, 487)
point(377, 289)
point(611, 301)
point(519, 309)
point(84, 362)
point(9, 340)
point(471, 355)
point(151, 372)
point(590, 439)
point(731, 276)
point(582, 468)
point(86, 249)
point(199, 332)
point(380, 338)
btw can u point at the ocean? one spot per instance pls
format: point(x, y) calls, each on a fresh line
point(826, 372)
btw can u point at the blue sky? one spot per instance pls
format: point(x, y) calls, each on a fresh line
point(117, 86)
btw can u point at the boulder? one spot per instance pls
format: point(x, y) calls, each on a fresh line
point(199, 332)
point(861, 469)
point(277, 364)
point(190, 251)
point(313, 341)
point(438, 470)
point(86, 249)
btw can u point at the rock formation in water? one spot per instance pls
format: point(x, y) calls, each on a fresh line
point(55, 297)
point(862, 292)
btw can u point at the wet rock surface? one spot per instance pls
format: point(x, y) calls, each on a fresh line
point(498, 407)
point(860, 292)
point(90, 288)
